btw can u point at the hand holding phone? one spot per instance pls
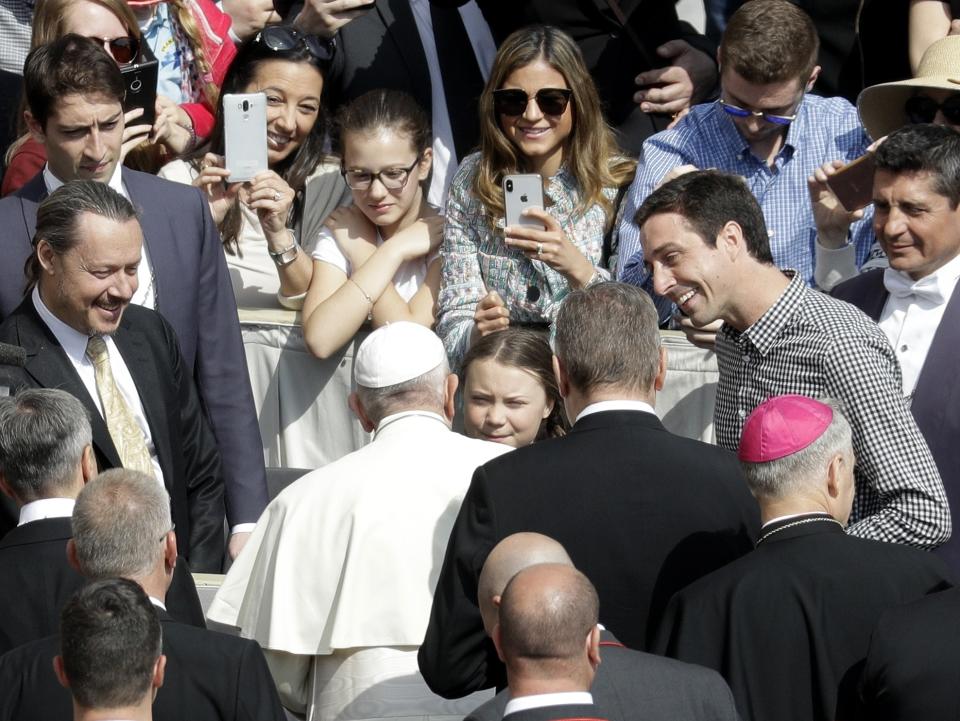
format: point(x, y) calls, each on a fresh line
point(853, 183)
point(520, 192)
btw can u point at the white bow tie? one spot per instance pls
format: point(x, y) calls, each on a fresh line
point(900, 285)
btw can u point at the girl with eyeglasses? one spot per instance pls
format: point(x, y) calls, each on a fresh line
point(180, 121)
point(377, 260)
point(539, 113)
point(261, 220)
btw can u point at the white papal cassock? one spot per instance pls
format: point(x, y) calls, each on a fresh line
point(337, 579)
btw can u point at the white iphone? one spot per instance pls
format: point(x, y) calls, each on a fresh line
point(519, 193)
point(245, 135)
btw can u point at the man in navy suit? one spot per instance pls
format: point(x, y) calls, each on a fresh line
point(916, 197)
point(81, 334)
point(74, 91)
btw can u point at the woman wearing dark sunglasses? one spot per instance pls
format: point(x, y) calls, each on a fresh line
point(539, 113)
point(260, 220)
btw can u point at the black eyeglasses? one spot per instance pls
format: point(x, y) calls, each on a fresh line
point(123, 50)
point(285, 37)
point(513, 101)
point(738, 112)
point(921, 109)
point(390, 178)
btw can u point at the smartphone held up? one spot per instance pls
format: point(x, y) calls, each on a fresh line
point(245, 135)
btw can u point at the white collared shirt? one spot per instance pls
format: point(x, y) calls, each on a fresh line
point(623, 405)
point(484, 49)
point(46, 508)
point(541, 700)
point(74, 344)
point(910, 323)
point(146, 293)
point(157, 602)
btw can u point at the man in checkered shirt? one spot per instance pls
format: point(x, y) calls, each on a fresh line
point(706, 246)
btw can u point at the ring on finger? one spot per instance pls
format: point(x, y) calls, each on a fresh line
point(276, 196)
point(539, 249)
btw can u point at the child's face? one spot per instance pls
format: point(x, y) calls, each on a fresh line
point(394, 190)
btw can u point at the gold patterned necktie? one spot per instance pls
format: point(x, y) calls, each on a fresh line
point(124, 430)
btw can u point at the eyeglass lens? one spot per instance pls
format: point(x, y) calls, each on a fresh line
point(738, 112)
point(511, 101)
point(391, 178)
point(123, 50)
point(921, 109)
point(280, 37)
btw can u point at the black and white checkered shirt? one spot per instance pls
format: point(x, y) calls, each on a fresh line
point(16, 17)
point(814, 345)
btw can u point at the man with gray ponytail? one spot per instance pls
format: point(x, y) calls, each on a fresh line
point(81, 333)
point(789, 624)
point(122, 528)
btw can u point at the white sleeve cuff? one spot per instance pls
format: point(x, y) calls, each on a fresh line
point(243, 528)
point(834, 265)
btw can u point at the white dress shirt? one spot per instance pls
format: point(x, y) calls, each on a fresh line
point(74, 344)
point(445, 161)
point(146, 292)
point(46, 508)
point(623, 405)
point(911, 321)
point(542, 700)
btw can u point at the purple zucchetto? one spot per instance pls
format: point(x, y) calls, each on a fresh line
point(781, 426)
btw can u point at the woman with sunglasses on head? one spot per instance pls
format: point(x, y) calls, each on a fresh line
point(112, 24)
point(377, 260)
point(539, 113)
point(260, 220)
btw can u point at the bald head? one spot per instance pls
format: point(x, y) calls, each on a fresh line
point(548, 626)
point(513, 554)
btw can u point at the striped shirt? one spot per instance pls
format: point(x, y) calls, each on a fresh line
point(825, 129)
point(814, 345)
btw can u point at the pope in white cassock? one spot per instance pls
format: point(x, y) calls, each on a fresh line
point(337, 580)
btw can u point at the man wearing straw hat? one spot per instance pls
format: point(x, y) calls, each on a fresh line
point(788, 623)
point(916, 193)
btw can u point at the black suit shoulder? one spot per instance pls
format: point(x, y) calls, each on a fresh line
point(913, 665)
point(209, 677)
point(859, 286)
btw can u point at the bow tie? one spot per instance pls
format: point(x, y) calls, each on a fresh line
point(900, 285)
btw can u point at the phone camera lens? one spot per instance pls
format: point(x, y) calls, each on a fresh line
point(509, 186)
point(246, 105)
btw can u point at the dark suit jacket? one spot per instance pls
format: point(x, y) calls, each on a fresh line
point(627, 680)
point(936, 399)
point(194, 295)
point(209, 677)
point(382, 48)
point(788, 625)
point(568, 712)
point(913, 666)
point(185, 447)
point(36, 581)
point(641, 512)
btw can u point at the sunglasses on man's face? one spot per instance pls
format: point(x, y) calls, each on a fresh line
point(122, 50)
point(921, 109)
point(513, 102)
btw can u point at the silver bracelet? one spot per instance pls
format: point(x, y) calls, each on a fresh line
point(286, 256)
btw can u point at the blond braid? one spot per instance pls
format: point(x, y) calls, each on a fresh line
point(188, 24)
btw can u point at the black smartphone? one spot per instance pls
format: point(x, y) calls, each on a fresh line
point(141, 82)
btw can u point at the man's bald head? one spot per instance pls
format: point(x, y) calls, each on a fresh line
point(513, 554)
point(548, 627)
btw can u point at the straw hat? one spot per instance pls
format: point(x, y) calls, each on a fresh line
point(881, 106)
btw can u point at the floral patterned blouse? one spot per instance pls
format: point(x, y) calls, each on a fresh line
point(476, 259)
